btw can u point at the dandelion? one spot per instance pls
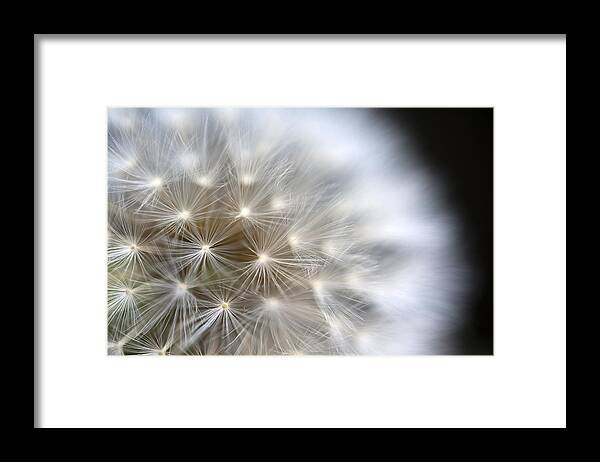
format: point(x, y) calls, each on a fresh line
point(243, 232)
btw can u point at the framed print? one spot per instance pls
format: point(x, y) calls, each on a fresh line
point(300, 231)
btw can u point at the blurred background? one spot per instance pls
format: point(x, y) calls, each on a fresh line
point(456, 144)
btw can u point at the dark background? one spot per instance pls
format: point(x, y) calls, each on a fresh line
point(457, 145)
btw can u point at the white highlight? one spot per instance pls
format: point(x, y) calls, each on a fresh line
point(272, 303)
point(156, 182)
point(204, 181)
point(263, 258)
point(247, 180)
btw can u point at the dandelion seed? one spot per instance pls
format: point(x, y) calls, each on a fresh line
point(220, 312)
point(131, 245)
point(123, 302)
point(179, 207)
point(207, 246)
point(150, 344)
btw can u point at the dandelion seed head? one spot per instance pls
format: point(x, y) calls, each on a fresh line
point(300, 226)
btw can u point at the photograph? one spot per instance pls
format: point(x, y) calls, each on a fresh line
point(299, 231)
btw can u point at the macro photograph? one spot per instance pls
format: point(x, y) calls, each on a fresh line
point(299, 231)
